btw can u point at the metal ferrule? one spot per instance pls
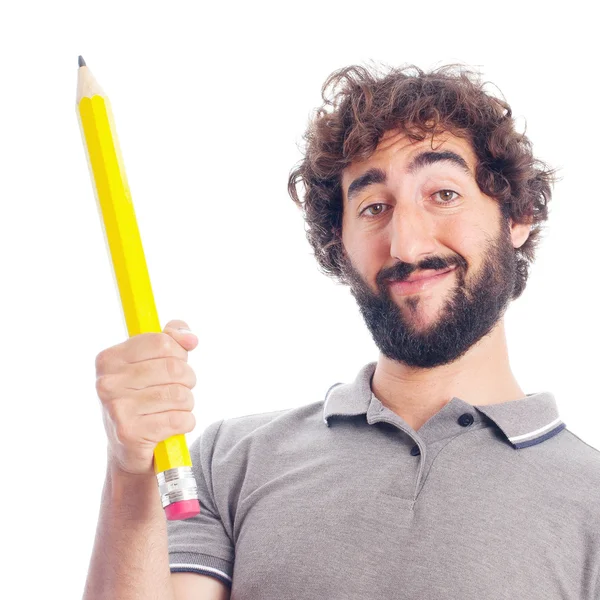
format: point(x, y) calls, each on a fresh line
point(177, 484)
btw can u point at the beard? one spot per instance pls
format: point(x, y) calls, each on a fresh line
point(469, 313)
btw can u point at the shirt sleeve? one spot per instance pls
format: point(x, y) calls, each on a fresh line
point(201, 544)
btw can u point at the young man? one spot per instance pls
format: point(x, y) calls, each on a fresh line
point(432, 474)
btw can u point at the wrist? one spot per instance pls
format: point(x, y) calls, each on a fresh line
point(135, 493)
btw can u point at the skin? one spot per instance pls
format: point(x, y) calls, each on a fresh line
point(405, 223)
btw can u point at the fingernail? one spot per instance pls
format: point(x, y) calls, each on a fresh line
point(184, 330)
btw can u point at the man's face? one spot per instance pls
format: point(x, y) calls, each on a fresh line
point(403, 221)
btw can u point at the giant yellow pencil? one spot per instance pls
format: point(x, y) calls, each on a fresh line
point(172, 462)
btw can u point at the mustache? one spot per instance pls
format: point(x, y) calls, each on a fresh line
point(402, 270)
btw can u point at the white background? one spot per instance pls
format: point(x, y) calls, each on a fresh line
point(211, 101)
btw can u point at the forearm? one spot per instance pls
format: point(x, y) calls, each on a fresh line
point(130, 558)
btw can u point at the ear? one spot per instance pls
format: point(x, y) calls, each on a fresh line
point(519, 232)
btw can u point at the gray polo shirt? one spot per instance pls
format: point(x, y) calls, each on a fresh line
point(341, 499)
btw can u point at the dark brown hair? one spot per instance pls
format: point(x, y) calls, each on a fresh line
point(361, 104)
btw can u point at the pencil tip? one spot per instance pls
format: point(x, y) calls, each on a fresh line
point(81, 61)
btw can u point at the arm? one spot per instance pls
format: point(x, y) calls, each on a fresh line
point(130, 558)
point(141, 385)
point(193, 586)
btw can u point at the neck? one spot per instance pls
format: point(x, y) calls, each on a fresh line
point(481, 376)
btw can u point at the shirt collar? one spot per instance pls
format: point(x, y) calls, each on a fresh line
point(524, 422)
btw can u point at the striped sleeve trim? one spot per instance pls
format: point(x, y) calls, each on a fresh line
point(181, 562)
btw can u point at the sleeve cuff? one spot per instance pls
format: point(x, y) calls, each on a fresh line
point(181, 562)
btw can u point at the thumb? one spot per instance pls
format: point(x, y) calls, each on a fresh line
point(185, 338)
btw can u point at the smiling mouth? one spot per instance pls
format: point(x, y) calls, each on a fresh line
point(420, 281)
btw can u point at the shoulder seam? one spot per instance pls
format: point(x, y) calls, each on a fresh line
point(583, 441)
point(259, 414)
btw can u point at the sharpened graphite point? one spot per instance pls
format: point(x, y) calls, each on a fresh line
point(81, 61)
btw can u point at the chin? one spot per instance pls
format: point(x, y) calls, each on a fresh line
point(422, 312)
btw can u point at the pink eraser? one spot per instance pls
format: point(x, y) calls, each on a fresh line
point(184, 509)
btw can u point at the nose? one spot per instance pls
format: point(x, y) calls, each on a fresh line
point(412, 236)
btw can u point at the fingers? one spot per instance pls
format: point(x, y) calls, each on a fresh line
point(144, 385)
point(142, 347)
point(152, 429)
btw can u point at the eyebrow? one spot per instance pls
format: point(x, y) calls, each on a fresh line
point(376, 175)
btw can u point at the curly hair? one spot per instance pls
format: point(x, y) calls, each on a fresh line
point(360, 105)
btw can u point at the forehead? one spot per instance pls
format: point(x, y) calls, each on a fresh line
point(396, 150)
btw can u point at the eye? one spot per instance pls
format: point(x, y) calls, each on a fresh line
point(444, 196)
point(376, 209)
